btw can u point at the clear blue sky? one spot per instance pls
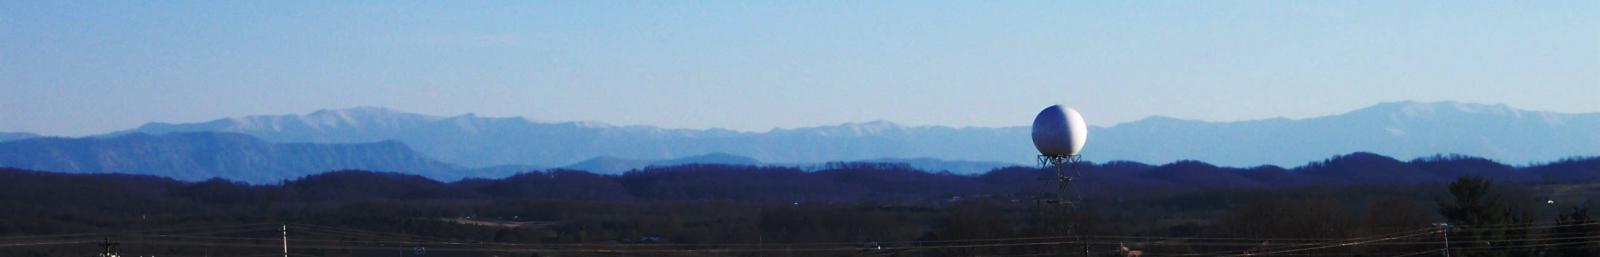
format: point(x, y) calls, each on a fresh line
point(76, 68)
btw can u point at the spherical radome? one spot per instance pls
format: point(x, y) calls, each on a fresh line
point(1059, 131)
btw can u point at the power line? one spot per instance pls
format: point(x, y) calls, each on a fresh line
point(322, 237)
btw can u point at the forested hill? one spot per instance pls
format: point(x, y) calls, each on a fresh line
point(1356, 196)
point(840, 182)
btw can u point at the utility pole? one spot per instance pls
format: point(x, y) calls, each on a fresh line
point(1084, 241)
point(110, 249)
point(1444, 228)
point(285, 231)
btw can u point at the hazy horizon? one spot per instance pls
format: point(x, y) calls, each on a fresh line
point(72, 68)
point(1020, 123)
point(799, 128)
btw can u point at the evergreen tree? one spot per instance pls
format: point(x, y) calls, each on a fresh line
point(1481, 215)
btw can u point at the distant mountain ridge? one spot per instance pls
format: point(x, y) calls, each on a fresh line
point(1401, 129)
point(614, 165)
point(10, 136)
point(203, 155)
point(1112, 180)
point(199, 156)
point(352, 125)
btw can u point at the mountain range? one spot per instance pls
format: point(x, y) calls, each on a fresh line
point(1400, 129)
point(200, 156)
point(1403, 130)
point(614, 165)
point(285, 146)
point(9, 136)
point(197, 156)
point(1366, 173)
point(473, 141)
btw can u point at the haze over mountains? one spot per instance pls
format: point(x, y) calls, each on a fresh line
point(474, 141)
point(200, 156)
point(1400, 129)
point(8, 136)
point(468, 145)
point(1403, 130)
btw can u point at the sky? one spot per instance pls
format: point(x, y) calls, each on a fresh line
point(75, 68)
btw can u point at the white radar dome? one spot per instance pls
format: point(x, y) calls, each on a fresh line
point(1059, 131)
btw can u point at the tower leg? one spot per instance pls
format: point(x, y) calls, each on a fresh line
point(1063, 167)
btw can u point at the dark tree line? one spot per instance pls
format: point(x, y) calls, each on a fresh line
point(1181, 208)
point(1494, 222)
